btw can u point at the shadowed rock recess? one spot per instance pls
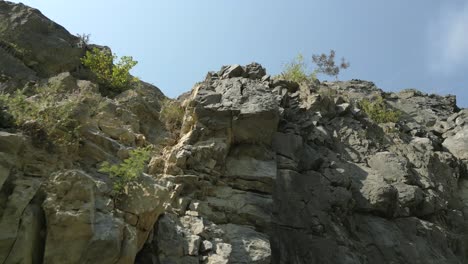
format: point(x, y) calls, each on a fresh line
point(264, 170)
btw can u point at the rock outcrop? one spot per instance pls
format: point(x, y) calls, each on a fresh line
point(55, 207)
point(305, 177)
point(265, 170)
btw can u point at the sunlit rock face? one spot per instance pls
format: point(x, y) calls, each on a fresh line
point(264, 170)
point(311, 177)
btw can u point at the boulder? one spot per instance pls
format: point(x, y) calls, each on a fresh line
point(247, 245)
point(391, 167)
point(232, 71)
point(90, 216)
point(457, 144)
point(255, 71)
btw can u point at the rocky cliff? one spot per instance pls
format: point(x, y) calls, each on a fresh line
point(263, 170)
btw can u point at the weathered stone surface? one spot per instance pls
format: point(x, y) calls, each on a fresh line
point(10, 144)
point(227, 205)
point(251, 168)
point(78, 200)
point(255, 71)
point(38, 42)
point(391, 167)
point(72, 202)
point(379, 197)
point(22, 194)
point(265, 170)
point(247, 245)
point(12, 66)
point(458, 144)
point(232, 71)
point(28, 247)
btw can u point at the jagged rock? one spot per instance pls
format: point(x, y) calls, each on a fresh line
point(206, 246)
point(409, 195)
point(379, 197)
point(36, 41)
point(81, 225)
point(458, 144)
point(250, 168)
point(255, 71)
point(247, 245)
point(264, 171)
point(75, 200)
point(290, 86)
point(12, 214)
point(12, 66)
point(194, 224)
point(228, 205)
point(10, 145)
point(223, 252)
point(21, 217)
point(232, 71)
point(291, 147)
point(391, 167)
point(28, 247)
point(145, 200)
point(424, 109)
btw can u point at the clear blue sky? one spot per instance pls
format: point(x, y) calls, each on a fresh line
point(397, 44)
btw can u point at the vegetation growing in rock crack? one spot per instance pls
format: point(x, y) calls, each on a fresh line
point(128, 170)
point(326, 64)
point(115, 76)
point(377, 111)
point(13, 49)
point(172, 115)
point(50, 110)
point(296, 71)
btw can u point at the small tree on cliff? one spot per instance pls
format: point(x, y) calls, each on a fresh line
point(115, 76)
point(296, 70)
point(326, 64)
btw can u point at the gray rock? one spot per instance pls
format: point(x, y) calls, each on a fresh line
point(206, 246)
point(264, 171)
point(391, 167)
point(458, 143)
point(232, 71)
point(255, 71)
point(38, 42)
point(247, 245)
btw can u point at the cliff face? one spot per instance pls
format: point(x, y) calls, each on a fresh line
point(263, 171)
point(55, 207)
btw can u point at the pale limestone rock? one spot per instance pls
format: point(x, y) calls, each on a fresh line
point(71, 202)
point(247, 245)
point(28, 245)
point(25, 188)
point(390, 166)
point(458, 144)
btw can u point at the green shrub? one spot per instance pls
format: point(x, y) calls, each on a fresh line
point(296, 71)
point(52, 109)
point(172, 115)
point(377, 111)
point(116, 76)
point(18, 107)
point(127, 171)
